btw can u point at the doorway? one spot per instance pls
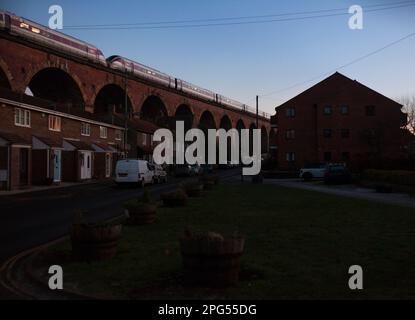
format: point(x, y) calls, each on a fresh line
point(24, 166)
point(57, 161)
point(86, 159)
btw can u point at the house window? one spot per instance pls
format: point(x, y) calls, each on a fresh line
point(151, 139)
point(345, 156)
point(21, 117)
point(117, 134)
point(345, 133)
point(144, 137)
point(54, 123)
point(370, 110)
point(328, 110)
point(344, 109)
point(85, 129)
point(103, 132)
point(290, 156)
point(290, 112)
point(290, 134)
point(327, 133)
point(327, 156)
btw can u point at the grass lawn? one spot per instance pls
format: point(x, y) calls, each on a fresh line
point(299, 244)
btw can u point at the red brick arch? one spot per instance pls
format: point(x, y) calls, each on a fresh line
point(54, 65)
point(5, 68)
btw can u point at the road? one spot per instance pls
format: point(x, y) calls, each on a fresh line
point(31, 219)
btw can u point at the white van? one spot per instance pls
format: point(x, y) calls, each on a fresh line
point(134, 171)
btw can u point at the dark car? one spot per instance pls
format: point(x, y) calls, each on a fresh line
point(337, 174)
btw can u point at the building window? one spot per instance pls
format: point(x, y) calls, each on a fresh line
point(328, 110)
point(144, 141)
point(21, 117)
point(370, 110)
point(327, 156)
point(85, 129)
point(345, 133)
point(117, 134)
point(344, 109)
point(103, 132)
point(290, 112)
point(290, 156)
point(327, 133)
point(54, 123)
point(151, 139)
point(290, 134)
point(345, 156)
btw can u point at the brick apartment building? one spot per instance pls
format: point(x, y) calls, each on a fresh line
point(338, 120)
point(42, 143)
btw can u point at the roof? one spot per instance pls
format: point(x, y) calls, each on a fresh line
point(13, 138)
point(337, 76)
point(80, 145)
point(143, 125)
point(103, 147)
point(51, 142)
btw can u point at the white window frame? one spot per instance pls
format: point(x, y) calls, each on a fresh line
point(144, 141)
point(22, 117)
point(290, 156)
point(103, 129)
point(85, 125)
point(118, 134)
point(56, 118)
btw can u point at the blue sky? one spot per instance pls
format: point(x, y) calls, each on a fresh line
point(241, 61)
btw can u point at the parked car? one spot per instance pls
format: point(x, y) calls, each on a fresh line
point(129, 171)
point(181, 170)
point(160, 175)
point(337, 174)
point(313, 171)
point(196, 169)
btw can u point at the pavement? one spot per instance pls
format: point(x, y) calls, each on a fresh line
point(352, 191)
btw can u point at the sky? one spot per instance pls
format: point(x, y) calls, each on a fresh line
point(241, 61)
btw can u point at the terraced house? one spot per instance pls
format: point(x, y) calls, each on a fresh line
point(45, 143)
point(339, 120)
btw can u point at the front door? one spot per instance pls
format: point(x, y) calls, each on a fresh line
point(24, 166)
point(57, 160)
point(107, 165)
point(86, 162)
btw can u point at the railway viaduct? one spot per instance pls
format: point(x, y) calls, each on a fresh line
point(66, 79)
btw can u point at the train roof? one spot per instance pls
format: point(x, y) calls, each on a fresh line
point(45, 28)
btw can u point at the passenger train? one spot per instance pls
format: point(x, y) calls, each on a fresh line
point(30, 30)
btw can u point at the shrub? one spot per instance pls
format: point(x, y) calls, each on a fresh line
point(176, 198)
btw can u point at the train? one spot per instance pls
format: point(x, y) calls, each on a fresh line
point(27, 29)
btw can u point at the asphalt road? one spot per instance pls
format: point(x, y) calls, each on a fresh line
point(31, 219)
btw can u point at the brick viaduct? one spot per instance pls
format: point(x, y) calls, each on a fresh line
point(62, 78)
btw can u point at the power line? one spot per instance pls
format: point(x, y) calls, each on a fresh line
point(154, 25)
point(342, 66)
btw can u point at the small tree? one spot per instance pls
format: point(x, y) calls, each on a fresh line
point(408, 103)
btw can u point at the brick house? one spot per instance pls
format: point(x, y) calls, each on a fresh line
point(42, 143)
point(338, 120)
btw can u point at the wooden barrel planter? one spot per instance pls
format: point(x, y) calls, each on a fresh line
point(176, 198)
point(211, 262)
point(140, 213)
point(194, 190)
point(95, 242)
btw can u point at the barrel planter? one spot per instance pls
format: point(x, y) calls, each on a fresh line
point(176, 198)
point(95, 242)
point(211, 262)
point(140, 213)
point(194, 190)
